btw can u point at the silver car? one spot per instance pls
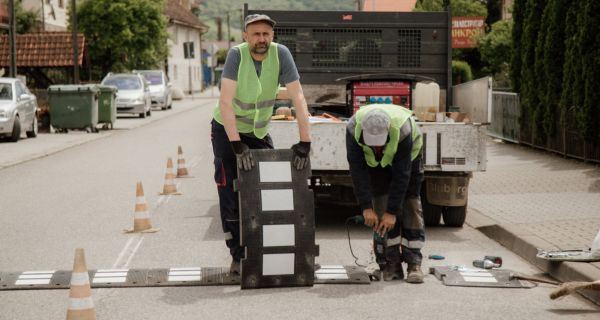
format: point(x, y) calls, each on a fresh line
point(18, 110)
point(160, 88)
point(133, 95)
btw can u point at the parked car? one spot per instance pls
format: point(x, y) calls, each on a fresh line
point(133, 95)
point(160, 88)
point(18, 110)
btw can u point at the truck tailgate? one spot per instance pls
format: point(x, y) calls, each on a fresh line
point(447, 146)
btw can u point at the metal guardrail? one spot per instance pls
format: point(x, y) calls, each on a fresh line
point(509, 123)
point(505, 116)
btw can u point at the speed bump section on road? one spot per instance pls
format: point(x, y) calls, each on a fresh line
point(162, 277)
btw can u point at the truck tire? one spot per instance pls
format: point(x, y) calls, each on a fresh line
point(431, 212)
point(455, 216)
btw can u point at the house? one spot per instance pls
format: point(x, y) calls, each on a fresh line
point(389, 5)
point(184, 27)
point(52, 14)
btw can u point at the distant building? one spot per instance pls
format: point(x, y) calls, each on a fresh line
point(52, 14)
point(507, 9)
point(184, 26)
point(389, 5)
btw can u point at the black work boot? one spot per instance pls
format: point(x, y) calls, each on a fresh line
point(234, 268)
point(393, 271)
point(415, 275)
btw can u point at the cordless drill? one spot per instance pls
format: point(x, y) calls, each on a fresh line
point(378, 240)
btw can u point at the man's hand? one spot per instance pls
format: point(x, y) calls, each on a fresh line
point(243, 155)
point(386, 224)
point(370, 218)
point(301, 152)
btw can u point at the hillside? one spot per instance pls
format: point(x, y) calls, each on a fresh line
point(209, 10)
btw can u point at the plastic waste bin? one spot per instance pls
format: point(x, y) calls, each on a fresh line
point(107, 108)
point(73, 107)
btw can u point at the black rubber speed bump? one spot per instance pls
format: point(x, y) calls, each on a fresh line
point(277, 222)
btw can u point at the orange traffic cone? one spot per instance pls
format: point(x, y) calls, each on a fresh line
point(182, 171)
point(170, 188)
point(141, 216)
point(81, 305)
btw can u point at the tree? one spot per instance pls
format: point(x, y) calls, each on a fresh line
point(496, 47)
point(517, 37)
point(538, 86)
point(588, 116)
point(124, 34)
point(460, 8)
point(26, 19)
point(554, 56)
point(529, 97)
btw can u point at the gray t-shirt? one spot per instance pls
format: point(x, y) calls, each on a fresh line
point(287, 68)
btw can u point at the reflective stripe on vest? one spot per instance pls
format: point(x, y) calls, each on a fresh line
point(254, 96)
point(398, 116)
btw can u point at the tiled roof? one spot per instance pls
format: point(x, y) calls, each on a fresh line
point(389, 5)
point(181, 15)
point(43, 49)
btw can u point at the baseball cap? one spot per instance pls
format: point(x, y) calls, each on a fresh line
point(375, 128)
point(252, 18)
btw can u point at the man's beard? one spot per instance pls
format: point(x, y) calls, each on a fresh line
point(260, 50)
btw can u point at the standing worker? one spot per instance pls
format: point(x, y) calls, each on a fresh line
point(251, 76)
point(383, 146)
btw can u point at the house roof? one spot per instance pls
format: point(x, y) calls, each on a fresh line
point(389, 5)
point(42, 49)
point(179, 15)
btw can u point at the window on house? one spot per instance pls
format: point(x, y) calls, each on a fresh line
point(61, 3)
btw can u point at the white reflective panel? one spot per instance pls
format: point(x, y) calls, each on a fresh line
point(278, 264)
point(278, 235)
point(275, 171)
point(277, 200)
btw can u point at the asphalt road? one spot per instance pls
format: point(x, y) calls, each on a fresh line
point(84, 197)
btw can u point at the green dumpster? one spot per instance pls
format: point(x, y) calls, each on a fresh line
point(107, 108)
point(73, 107)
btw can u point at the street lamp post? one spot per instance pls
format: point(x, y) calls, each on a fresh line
point(75, 43)
point(13, 38)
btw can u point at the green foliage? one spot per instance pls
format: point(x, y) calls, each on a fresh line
point(123, 35)
point(26, 19)
point(553, 59)
point(221, 55)
point(529, 96)
point(461, 72)
point(538, 86)
point(517, 38)
point(460, 8)
point(588, 113)
point(495, 47)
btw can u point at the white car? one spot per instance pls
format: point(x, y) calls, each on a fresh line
point(160, 88)
point(18, 110)
point(133, 95)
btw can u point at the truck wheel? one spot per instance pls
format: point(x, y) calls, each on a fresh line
point(431, 212)
point(455, 216)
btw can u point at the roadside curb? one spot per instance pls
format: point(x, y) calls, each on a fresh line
point(525, 244)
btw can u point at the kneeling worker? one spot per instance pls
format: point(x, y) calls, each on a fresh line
point(383, 145)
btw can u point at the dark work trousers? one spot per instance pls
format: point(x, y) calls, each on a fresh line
point(409, 229)
point(225, 173)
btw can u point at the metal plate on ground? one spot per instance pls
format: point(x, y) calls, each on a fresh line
point(567, 255)
point(473, 277)
point(162, 277)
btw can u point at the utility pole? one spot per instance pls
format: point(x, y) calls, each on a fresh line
point(75, 42)
point(12, 33)
point(228, 32)
point(43, 16)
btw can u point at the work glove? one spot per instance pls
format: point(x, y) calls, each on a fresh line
point(243, 155)
point(301, 152)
